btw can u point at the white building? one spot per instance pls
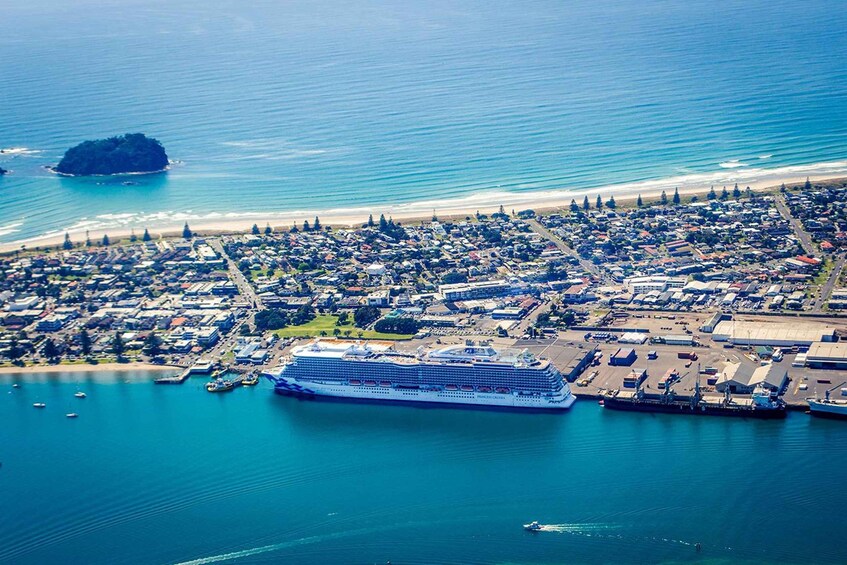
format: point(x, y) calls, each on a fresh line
point(661, 283)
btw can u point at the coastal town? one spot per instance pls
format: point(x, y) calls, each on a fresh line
point(720, 292)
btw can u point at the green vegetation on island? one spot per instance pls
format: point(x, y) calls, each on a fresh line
point(130, 153)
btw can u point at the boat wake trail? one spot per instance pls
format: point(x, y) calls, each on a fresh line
point(575, 528)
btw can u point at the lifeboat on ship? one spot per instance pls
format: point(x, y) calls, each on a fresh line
point(355, 382)
point(502, 390)
point(385, 384)
point(451, 387)
point(370, 383)
point(467, 388)
point(484, 389)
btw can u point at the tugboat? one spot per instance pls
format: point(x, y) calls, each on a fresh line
point(533, 526)
point(251, 379)
point(219, 385)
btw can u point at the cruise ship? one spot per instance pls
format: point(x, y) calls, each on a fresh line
point(469, 374)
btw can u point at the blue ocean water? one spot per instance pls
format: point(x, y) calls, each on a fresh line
point(284, 106)
point(167, 474)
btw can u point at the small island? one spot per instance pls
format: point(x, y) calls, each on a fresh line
point(125, 154)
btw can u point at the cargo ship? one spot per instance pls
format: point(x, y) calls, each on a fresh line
point(469, 374)
point(828, 407)
point(761, 404)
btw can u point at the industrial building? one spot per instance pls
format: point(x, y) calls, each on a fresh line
point(827, 356)
point(625, 356)
point(743, 379)
point(776, 335)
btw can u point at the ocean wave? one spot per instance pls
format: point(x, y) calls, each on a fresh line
point(10, 228)
point(733, 164)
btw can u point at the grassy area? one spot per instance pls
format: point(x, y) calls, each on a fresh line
point(823, 275)
point(326, 323)
point(256, 273)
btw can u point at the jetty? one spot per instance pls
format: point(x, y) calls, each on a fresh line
point(199, 368)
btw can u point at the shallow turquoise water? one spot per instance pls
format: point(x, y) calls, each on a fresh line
point(281, 106)
point(156, 474)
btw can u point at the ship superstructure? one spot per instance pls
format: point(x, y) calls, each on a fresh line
point(469, 373)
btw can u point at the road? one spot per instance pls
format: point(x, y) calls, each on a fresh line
point(826, 288)
point(802, 235)
point(244, 287)
point(563, 247)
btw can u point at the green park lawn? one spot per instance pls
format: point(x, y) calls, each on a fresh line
point(326, 323)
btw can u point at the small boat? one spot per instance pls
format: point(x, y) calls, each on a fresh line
point(533, 526)
point(72, 415)
point(39, 405)
point(16, 385)
point(250, 380)
point(80, 395)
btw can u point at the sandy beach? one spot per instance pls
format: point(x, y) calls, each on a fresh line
point(484, 202)
point(131, 371)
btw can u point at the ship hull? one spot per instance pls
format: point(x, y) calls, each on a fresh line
point(391, 395)
point(821, 410)
point(759, 414)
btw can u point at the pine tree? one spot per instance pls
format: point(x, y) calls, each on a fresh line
point(808, 185)
point(663, 198)
point(371, 221)
point(84, 341)
point(255, 229)
point(384, 224)
point(146, 236)
point(132, 237)
point(268, 229)
point(294, 228)
point(105, 242)
point(599, 204)
point(68, 244)
point(87, 239)
point(639, 202)
point(724, 194)
point(782, 188)
point(306, 225)
point(749, 193)
point(50, 350)
point(574, 206)
point(611, 203)
point(118, 345)
point(676, 196)
point(712, 193)
point(585, 205)
point(317, 225)
point(186, 232)
point(736, 193)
